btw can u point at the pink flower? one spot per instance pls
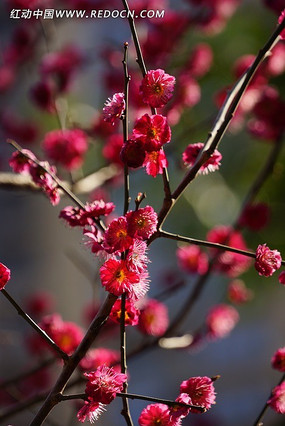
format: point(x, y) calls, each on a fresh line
point(90, 411)
point(117, 235)
point(5, 275)
point(45, 180)
point(76, 216)
point(255, 216)
point(277, 400)
point(133, 153)
point(142, 223)
point(156, 88)
point(136, 258)
point(155, 162)
point(73, 216)
point(131, 312)
point(21, 163)
point(282, 278)
point(95, 240)
point(114, 107)
point(278, 360)
point(156, 414)
point(221, 320)
point(200, 390)
point(281, 19)
point(67, 147)
point(192, 259)
point(267, 261)
point(232, 264)
point(97, 208)
point(99, 356)
point(153, 319)
point(138, 290)
point(153, 131)
point(191, 153)
point(178, 412)
point(103, 384)
point(238, 293)
point(116, 277)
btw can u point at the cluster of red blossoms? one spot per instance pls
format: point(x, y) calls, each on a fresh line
point(197, 391)
point(101, 388)
point(150, 132)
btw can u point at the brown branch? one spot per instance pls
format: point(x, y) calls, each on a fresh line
point(142, 398)
point(59, 183)
point(92, 332)
point(141, 63)
point(222, 122)
point(36, 327)
point(126, 127)
point(126, 410)
point(209, 244)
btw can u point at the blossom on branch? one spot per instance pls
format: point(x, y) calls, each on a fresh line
point(117, 236)
point(116, 277)
point(155, 162)
point(191, 153)
point(114, 108)
point(200, 390)
point(131, 312)
point(153, 131)
point(156, 88)
point(156, 414)
point(103, 384)
point(267, 261)
point(90, 411)
point(277, 399)
point(142, 223)
point(5, 275)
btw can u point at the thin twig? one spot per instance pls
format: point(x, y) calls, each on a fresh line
point(261, 414)
point(141, 63)
point(162, 401)
point(209, 244)
point(126, 127)
point(35, 326)
point(141, 397)
point(59, 183)
point(222, 122)
point(126, 410)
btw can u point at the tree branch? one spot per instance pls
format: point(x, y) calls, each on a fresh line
point(35, 326)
